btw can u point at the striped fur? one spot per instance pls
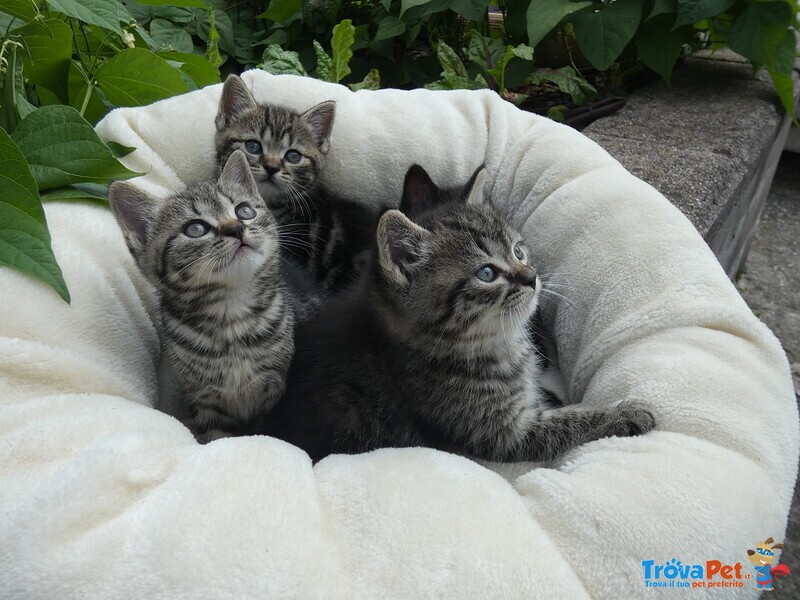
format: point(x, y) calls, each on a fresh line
point(425, 353)
point(327, 234)
point(226, 320)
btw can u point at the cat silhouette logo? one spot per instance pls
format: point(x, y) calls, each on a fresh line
point(762, 558)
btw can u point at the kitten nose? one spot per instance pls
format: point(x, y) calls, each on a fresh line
point(233, 229)
point(525, 276)
point(270, 170)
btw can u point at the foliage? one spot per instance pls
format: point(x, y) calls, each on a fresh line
point(65, 63)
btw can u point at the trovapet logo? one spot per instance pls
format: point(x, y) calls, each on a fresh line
point(715, 573)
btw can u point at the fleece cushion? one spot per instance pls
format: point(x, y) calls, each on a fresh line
point(102, 496)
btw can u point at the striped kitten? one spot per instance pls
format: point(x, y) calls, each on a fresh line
point(432, 349)
point(211, 251)
point(286, 151)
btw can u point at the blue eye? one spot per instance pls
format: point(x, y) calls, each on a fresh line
point(253, 146)
point(245, 211)
point(196, 229)
point(486, 273)
point(519, 252)
point(293, 156)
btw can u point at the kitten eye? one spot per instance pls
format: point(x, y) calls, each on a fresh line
point(253, 146)
point(292, 156)
point(245, 211)
point(486, 273)
point(196, 229)
point(519, 252)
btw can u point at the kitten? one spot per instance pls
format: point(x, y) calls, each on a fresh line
point(431, 348)
point(227, 325)
point(286, 151)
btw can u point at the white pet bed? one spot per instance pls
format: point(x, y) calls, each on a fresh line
point(103, 497)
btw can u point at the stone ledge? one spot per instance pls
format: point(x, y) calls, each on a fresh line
point(710, 143)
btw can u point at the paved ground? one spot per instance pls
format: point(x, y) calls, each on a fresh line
point(771, 286)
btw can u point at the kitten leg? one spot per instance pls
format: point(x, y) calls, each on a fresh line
point(210, 423)
point(553, 432)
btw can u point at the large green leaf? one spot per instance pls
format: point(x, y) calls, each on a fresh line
point(389, 27)
point(24, 239)
point(371, 81)
point(692, 11)
point(324, 63)
point(136, 77)
point(182, 3)
point(166, 34)
point(107, 14)
point(474, 10)
point(760, 31)
point(660, 45)
point(81, 191)
point(21, 9)
point(198, 68)
point(544, 15)
point(61, 148)
point(46, 54)
point(603, 35)
point(280, 62)
point(83, 96)
point(406, 4)
point(280, 10)
point(342, 49)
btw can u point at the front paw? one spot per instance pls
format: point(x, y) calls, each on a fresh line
point(633, 419)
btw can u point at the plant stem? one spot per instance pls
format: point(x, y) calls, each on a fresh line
point(89, 90)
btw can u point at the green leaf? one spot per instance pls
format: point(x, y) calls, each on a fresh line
point(603, 35)
point(279, 61)
point(760, 31)
point(372, 81)
point(181, 3)
point(107, 14)
point(46, 54)
point(81, 191)
point(544, 15)
point(197, 67)
point(324, 63)
point(451, 63)
point(784, 85)
point(280, 10)
point(212, 42)
point(660, 46)
point(136, 77)
point(390, 27)
point(215, 19)
point(557, 112)
point(327, 9)
point(486, 52)
point(118, 150)
point(663, 7)
point(166, 34)
point(692, 11)
point(21, 9)
point(342, 47)
point(474, 10)
point(569, 82)
point(406, 4)
point(62, 148)
point(522, 51)
point(94, 109)
point(24, 239)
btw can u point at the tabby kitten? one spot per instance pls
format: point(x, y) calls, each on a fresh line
point(226, 322)
point(286, 151)
point(432, 349)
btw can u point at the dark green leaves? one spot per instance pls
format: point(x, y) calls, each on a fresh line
point(107, 14)
point(61, 148)
point(660, 45)
point(544, 15)
point(603, 34)
point(47, 48)
point(24, 239)
point(280, 10)
point(136, 77)
point(692, 11)
point(760, 31)
point(281, 62)
point(390, 27)
point(568, 81)
point(22, 9)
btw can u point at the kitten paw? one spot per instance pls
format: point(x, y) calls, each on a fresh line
point(633, 419)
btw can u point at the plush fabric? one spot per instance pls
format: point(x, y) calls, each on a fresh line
point(104, 497)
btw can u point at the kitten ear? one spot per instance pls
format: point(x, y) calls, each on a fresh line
point(134, 210)
point(235, 100)
point(419, 192)
point(401, 244)
point(476, 186)
point(320, 121)
point(237, 172)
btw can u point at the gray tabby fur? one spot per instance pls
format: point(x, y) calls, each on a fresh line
point(226, 322)
point(423, 353)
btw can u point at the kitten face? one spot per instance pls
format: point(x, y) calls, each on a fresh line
point(211, 233)
point(284, 148)
point(459, 268)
